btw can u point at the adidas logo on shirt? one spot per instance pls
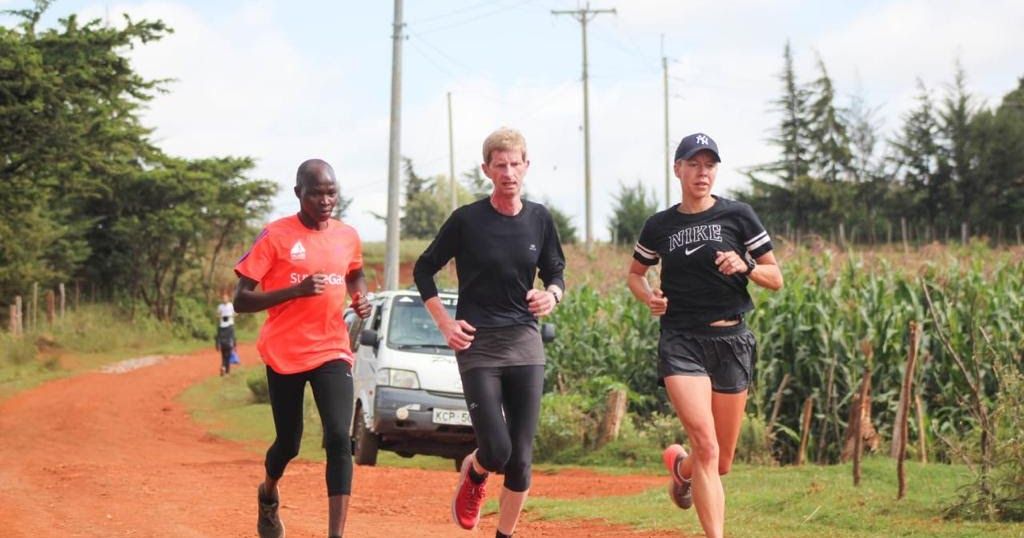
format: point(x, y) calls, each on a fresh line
point(298, 251)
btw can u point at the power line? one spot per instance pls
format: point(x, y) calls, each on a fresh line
point(500, 9)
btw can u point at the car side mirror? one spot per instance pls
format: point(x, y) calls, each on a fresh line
point(547, 332)
point(368, 337)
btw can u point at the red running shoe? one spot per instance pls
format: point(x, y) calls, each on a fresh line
point(468, 499)
point(679, 488)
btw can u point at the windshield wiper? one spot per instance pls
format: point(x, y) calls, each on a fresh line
point(422, 346)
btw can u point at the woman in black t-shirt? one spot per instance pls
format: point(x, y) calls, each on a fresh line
point(500, 245)
point(709, 248)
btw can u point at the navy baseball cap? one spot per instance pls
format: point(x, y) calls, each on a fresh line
point(691, 144)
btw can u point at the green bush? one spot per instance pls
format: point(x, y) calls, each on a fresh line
point(16, 351)
point(564, 425)
point(751, 446)
point(194, 318)
point(256, 379)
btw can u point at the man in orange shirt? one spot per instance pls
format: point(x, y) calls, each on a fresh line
point(304, 265)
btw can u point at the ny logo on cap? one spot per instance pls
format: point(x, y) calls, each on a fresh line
point(701, 139)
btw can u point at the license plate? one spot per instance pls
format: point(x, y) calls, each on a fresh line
point(452, 417)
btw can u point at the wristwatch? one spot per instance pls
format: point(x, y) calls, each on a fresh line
point(751, 264)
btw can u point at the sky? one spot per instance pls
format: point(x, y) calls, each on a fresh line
point(286, 81)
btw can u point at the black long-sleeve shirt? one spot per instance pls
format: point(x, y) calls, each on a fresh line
point(497, 258)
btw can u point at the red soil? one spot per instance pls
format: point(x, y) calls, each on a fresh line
point(114, 454)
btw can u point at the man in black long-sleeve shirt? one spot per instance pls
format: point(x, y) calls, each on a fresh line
point(499, 245)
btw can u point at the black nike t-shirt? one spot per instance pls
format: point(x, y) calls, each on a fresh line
point(497, 258)
point(686, 244)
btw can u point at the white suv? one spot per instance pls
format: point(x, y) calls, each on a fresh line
point(408, 393)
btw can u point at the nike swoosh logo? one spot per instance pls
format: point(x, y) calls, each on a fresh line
point(695, 249)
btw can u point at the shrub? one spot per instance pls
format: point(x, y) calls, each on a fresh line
point(563, 425)
point(751, 446)
point(256, 379)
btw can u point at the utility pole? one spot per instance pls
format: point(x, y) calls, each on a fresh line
point(668, 158)
point(584, 16)
point(451, 155)
point(394, 153)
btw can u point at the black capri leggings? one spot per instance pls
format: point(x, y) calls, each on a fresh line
point(332, 390)
point(505, 443)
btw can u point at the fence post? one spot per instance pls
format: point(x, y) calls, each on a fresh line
point(1019, 243)
point(78, 293)
point(903, 409)
point(34, 316)
point(922, 439)
point(616, 409)
point(769, 430)
point(17, 322)
point(903, 227)
point(842, 235)
point(964, 233)
point(50, 307)
point(805, 429)
point(63, 299)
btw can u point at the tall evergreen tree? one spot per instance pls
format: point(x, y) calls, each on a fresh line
point(632, 207)
point(920, 163)
point(955, 116)
point(793, 133)
point(828, 139)
point(998, 139)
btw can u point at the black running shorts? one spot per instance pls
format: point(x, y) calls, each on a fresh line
point(724, 354)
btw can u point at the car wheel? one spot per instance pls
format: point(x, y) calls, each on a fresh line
point(366, 442)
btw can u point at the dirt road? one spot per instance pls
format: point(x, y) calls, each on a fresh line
point(113, 454)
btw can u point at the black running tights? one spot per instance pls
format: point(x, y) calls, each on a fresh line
point(332, 391)
point(505, 442)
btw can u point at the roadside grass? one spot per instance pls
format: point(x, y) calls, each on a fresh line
point(224, 406)
point(764, 501)
point(809, 501)
point(374, 252)
point(86, 339)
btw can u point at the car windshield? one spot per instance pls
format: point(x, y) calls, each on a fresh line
point(412, 329)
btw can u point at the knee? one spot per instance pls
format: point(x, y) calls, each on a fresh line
point(337, 441)
point(517, 474)
point(705, 451)
point(494, 457)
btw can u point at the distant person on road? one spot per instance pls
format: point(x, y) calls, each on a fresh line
point(304, 265)
point(709, 248)
point(498, 243)
point(225, 340)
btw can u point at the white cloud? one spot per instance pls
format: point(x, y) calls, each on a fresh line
point(246, 86)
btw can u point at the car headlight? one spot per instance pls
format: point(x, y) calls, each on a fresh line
point(405, 379)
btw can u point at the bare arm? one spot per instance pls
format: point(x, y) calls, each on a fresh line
point(247, 299)
point(767, 273)
point(641, 289)
point(457, 332)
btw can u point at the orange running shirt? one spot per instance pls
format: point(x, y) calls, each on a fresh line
point(303, 333)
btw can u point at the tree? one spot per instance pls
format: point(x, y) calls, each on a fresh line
point(68, 121)
point(423, 212)
point(633, 205)
point(828, 138)
point(998, 139)
point(83, 191)
point(955, 137)
point(793, 133)
point(477, 183)
point(920, 164)
point(563, 223)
